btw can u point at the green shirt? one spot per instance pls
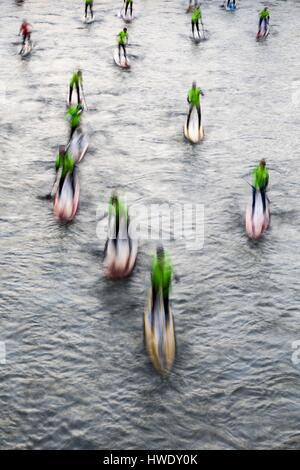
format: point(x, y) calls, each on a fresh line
point(196, 15)
point(264, 14)
point(76, 79)
point(161, 274)
point(89, 2)
point(123, 37)
point(66, 163)
point(260, 177)
point(194, 96)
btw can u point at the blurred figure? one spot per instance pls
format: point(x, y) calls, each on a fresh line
point(25, 30)
point(260, 183)
point(196, 16)
point(89, 5)
point(230, 2)
point(123, 40)
point(74, 117)
point(161, 278)
point(117, 209)
point(66, 164)
point(264, 17)
point(76, 81)
point(128, 3)
point(193, 99)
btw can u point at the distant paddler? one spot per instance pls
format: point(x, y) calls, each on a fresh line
point(117, 209)
point(161, 278)
point(75, 82)
point(264, 19)
point(25, 30)
point(260, 183)
point(194, 98)
point(122, 42)
point(196, 17)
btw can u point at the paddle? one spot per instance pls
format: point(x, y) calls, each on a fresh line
point(203, 29)
point(86, 107)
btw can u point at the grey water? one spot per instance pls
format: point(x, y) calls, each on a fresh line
point(74, 373)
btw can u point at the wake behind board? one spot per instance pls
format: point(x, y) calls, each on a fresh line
point(123, 64)
point(193, 133)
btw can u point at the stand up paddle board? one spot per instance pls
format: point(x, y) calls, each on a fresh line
point(263, 34)
point(121, 252)
point(88, 19)
point(193, 133)
point(257, 223)
point(128, 18)
point(124, 64)
point(66, 203)
point(196, 39)
point(159, 334)
point(78, 145)
point(27, 49)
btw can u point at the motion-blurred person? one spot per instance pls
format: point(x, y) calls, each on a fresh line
point(161, 278)
point(25, 30)
point(193, 99)
point(117, 209)
point(196, 17)
point(66, 164)
point(260, 183)
point(123, 40)
point(264, 18)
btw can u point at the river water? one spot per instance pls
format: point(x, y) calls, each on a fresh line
point(74, 373)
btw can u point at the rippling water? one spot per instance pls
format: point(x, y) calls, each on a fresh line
point(76, 372)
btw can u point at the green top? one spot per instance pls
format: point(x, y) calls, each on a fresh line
point(260, 177)
point(89, 2)
point(128, 1)
point(118, 208)
point(74, 115)
point(76, 79)
point(196, 14)
point(123, 37)
point(161, 274)
point(264, 14)
point(65, 162)
point(194, 96)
